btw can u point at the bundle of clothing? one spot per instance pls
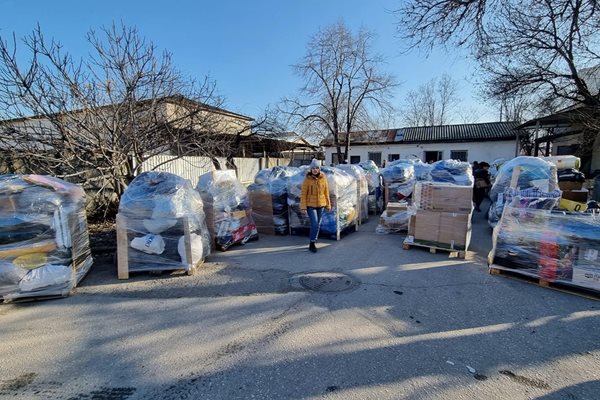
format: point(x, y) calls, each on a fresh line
point(520, 173)
point(273, 182)
point(399, 179)
point(422, 171)
point(155, 208)
point(452, 171)
point(228, 208)
point(44, 241)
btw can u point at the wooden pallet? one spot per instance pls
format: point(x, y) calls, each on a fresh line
point(534, 279)
point(123, 248)
point(434, 249)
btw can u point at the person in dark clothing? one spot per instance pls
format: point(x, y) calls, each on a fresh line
point(482, 183)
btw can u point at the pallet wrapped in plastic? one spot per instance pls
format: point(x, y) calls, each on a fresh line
point(362, 188)
point(394, 221)
point(520, 173)
point(161, 222)
point(44, 241)
point(452, 171)
point(374, 184)
point(549, 244)
point(268, 195)
point(344, 200)
point(399, 180)
point(228, 209)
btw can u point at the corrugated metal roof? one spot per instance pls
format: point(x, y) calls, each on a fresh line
point(442, 133)
point(486, 131)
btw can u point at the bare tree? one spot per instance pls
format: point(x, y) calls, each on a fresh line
point(96, 120)
point(433, 103)
point(343, 86)
point(542, 48)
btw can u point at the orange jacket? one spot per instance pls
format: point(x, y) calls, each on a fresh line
point(315, 192)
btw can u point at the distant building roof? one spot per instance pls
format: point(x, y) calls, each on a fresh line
point(487, 131)
point(175, 99)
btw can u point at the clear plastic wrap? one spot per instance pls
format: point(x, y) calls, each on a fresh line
point(495, 167)
point(268, 195)
point(422, 171)
point(521, 173)
point(452, 171)
point(44, 240)
point(394, 221)
point(344, 200)
point(156, 212)
point(374, 183)
point(228, 209)
point(555, 246)
point(362, 187)
point(399, 179)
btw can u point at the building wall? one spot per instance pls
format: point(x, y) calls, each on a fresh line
point(482, 151)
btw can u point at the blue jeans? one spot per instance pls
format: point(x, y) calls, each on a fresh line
point(314, 215)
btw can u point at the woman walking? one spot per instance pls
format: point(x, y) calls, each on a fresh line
point(314, 199)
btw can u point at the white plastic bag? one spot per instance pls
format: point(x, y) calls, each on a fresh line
point(150, 244)
point(159, 225)
point(197, 249)
point(48, 275)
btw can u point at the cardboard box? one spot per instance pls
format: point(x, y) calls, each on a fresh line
point(393, 207)
point(262, 212)
point(579, 196)
point(586, 277)
point(443, 197)
point(443, 229)
point(568, 185)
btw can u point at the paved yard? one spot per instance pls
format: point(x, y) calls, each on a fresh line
point(413, 325)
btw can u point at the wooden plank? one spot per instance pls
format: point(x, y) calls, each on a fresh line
point(122, 248)
point(434, 249)
point(188, 246)
point(534, 279)
point(515, 177)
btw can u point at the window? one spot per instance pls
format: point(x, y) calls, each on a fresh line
point(393, 157)
point(334, 159)
point(354, 159)
point(433, 156)
point(460, 155)
point(566, 150)
point(375, 157)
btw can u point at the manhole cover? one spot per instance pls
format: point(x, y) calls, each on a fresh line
point(327, 281)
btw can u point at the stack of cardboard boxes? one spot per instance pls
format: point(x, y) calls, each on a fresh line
point(443, 216)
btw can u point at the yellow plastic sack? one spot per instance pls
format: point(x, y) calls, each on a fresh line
point(31, 261)
point(572, 205)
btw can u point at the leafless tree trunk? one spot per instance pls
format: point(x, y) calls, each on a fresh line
point(96, 120)
point(433, 103)
point(343, 87)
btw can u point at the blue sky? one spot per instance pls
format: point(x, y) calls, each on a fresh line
point(248, 47)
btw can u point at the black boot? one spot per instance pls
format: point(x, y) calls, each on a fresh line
point(312, 247)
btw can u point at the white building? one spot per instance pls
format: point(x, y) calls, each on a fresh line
point(465, 142)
